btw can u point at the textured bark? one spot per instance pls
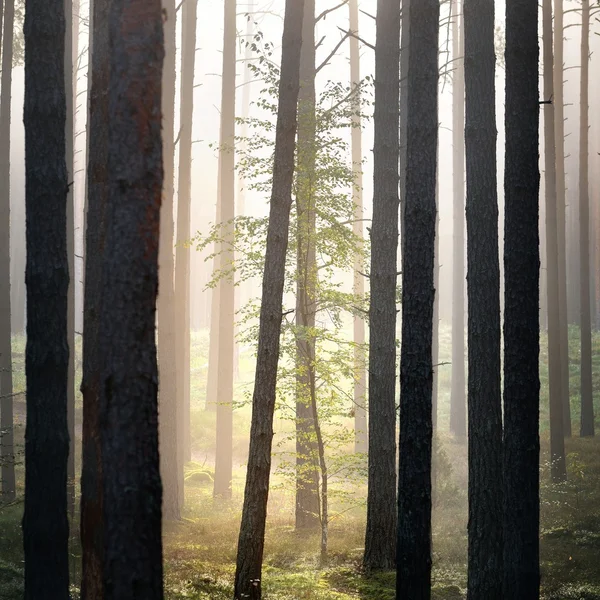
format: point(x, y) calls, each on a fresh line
point(248, 575)
point(70, 58)
point(404, 43)
point(416, 372)
point(587, 399)
point(360, 374)
point(483, 285)
point(435, 345)
point(6, 384)
point(184, 201)
point(223, 464)
point(458, 406)
point(128, 407)
point(559, 130)
point(380, 539)
point(557, 443)
point(307, 477)
point(92, 489)
point(45, 524)
point(521, 304)
point(171, 469)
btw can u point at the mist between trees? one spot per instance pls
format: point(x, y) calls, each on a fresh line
point(300, 299)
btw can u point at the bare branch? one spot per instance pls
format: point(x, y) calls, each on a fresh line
point(330, 10)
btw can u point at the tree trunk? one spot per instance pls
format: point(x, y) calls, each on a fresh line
point(435, 347)
point(360, 375)
point(171, 468)
point(587, 399)
point(380, 540)
point(404, 42)
point(7, 454)
point(521, 304)
point(559, 130)
point(458, 416)
point(307, 476)
point(70, 57)
point(184, 201)
point(558, 466)
point(45, 523)
point(223, 465)
point(129, 382)
point(483, 284)
point(248, 575)
point(416, 370)
point(92, 486)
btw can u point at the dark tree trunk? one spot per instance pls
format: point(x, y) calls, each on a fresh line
point(182, 264)
point(380, 540)
point(458, 416)
point(360, 372)
point(92, 486)
point(248, 575)
point(128, 407)
point(45, 524)
point(70, 157)
point(558, 466)
point(307, 476)
point(587, 398)
point(6, 384)
point(521, 304)
point(416, 372)
point(483, 280)
point(559, 129)
point(404, 41)
point(226, 312)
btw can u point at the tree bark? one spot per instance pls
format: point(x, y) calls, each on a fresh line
point(559, 130)
point(128, 407)
point(92, 486)
point(416, 371)
point(171, 469)
point(307, 465)
point(558, 465)
point(223, 464)
point(184, 201)
point(380, 539)
point(70, 160)
point(360, 374)
point(587, 399)
point(483, 285)
point(45, 523)
point(521, 305)
point(7, 453)
point(458, 416)
point(248, 575)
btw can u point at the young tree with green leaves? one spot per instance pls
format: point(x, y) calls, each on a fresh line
point(248, 575)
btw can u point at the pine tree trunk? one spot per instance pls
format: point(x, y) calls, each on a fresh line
point(307, 476)
point(223, 464)
point(248, 575)
point(380, 540)
point(128, 404)
point(70, 160)
point(360, 374)
point(416, 371)
point(557, 443)
point(521, 304)
point(587, 399)
point(184, 201)
point(483, 281)
point(171, 468)
point(559, 130)
point(458, 416)
point(45, 523)
point(7, 455)
point(92, 486)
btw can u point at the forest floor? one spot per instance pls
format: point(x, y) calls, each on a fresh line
point(200, 549)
